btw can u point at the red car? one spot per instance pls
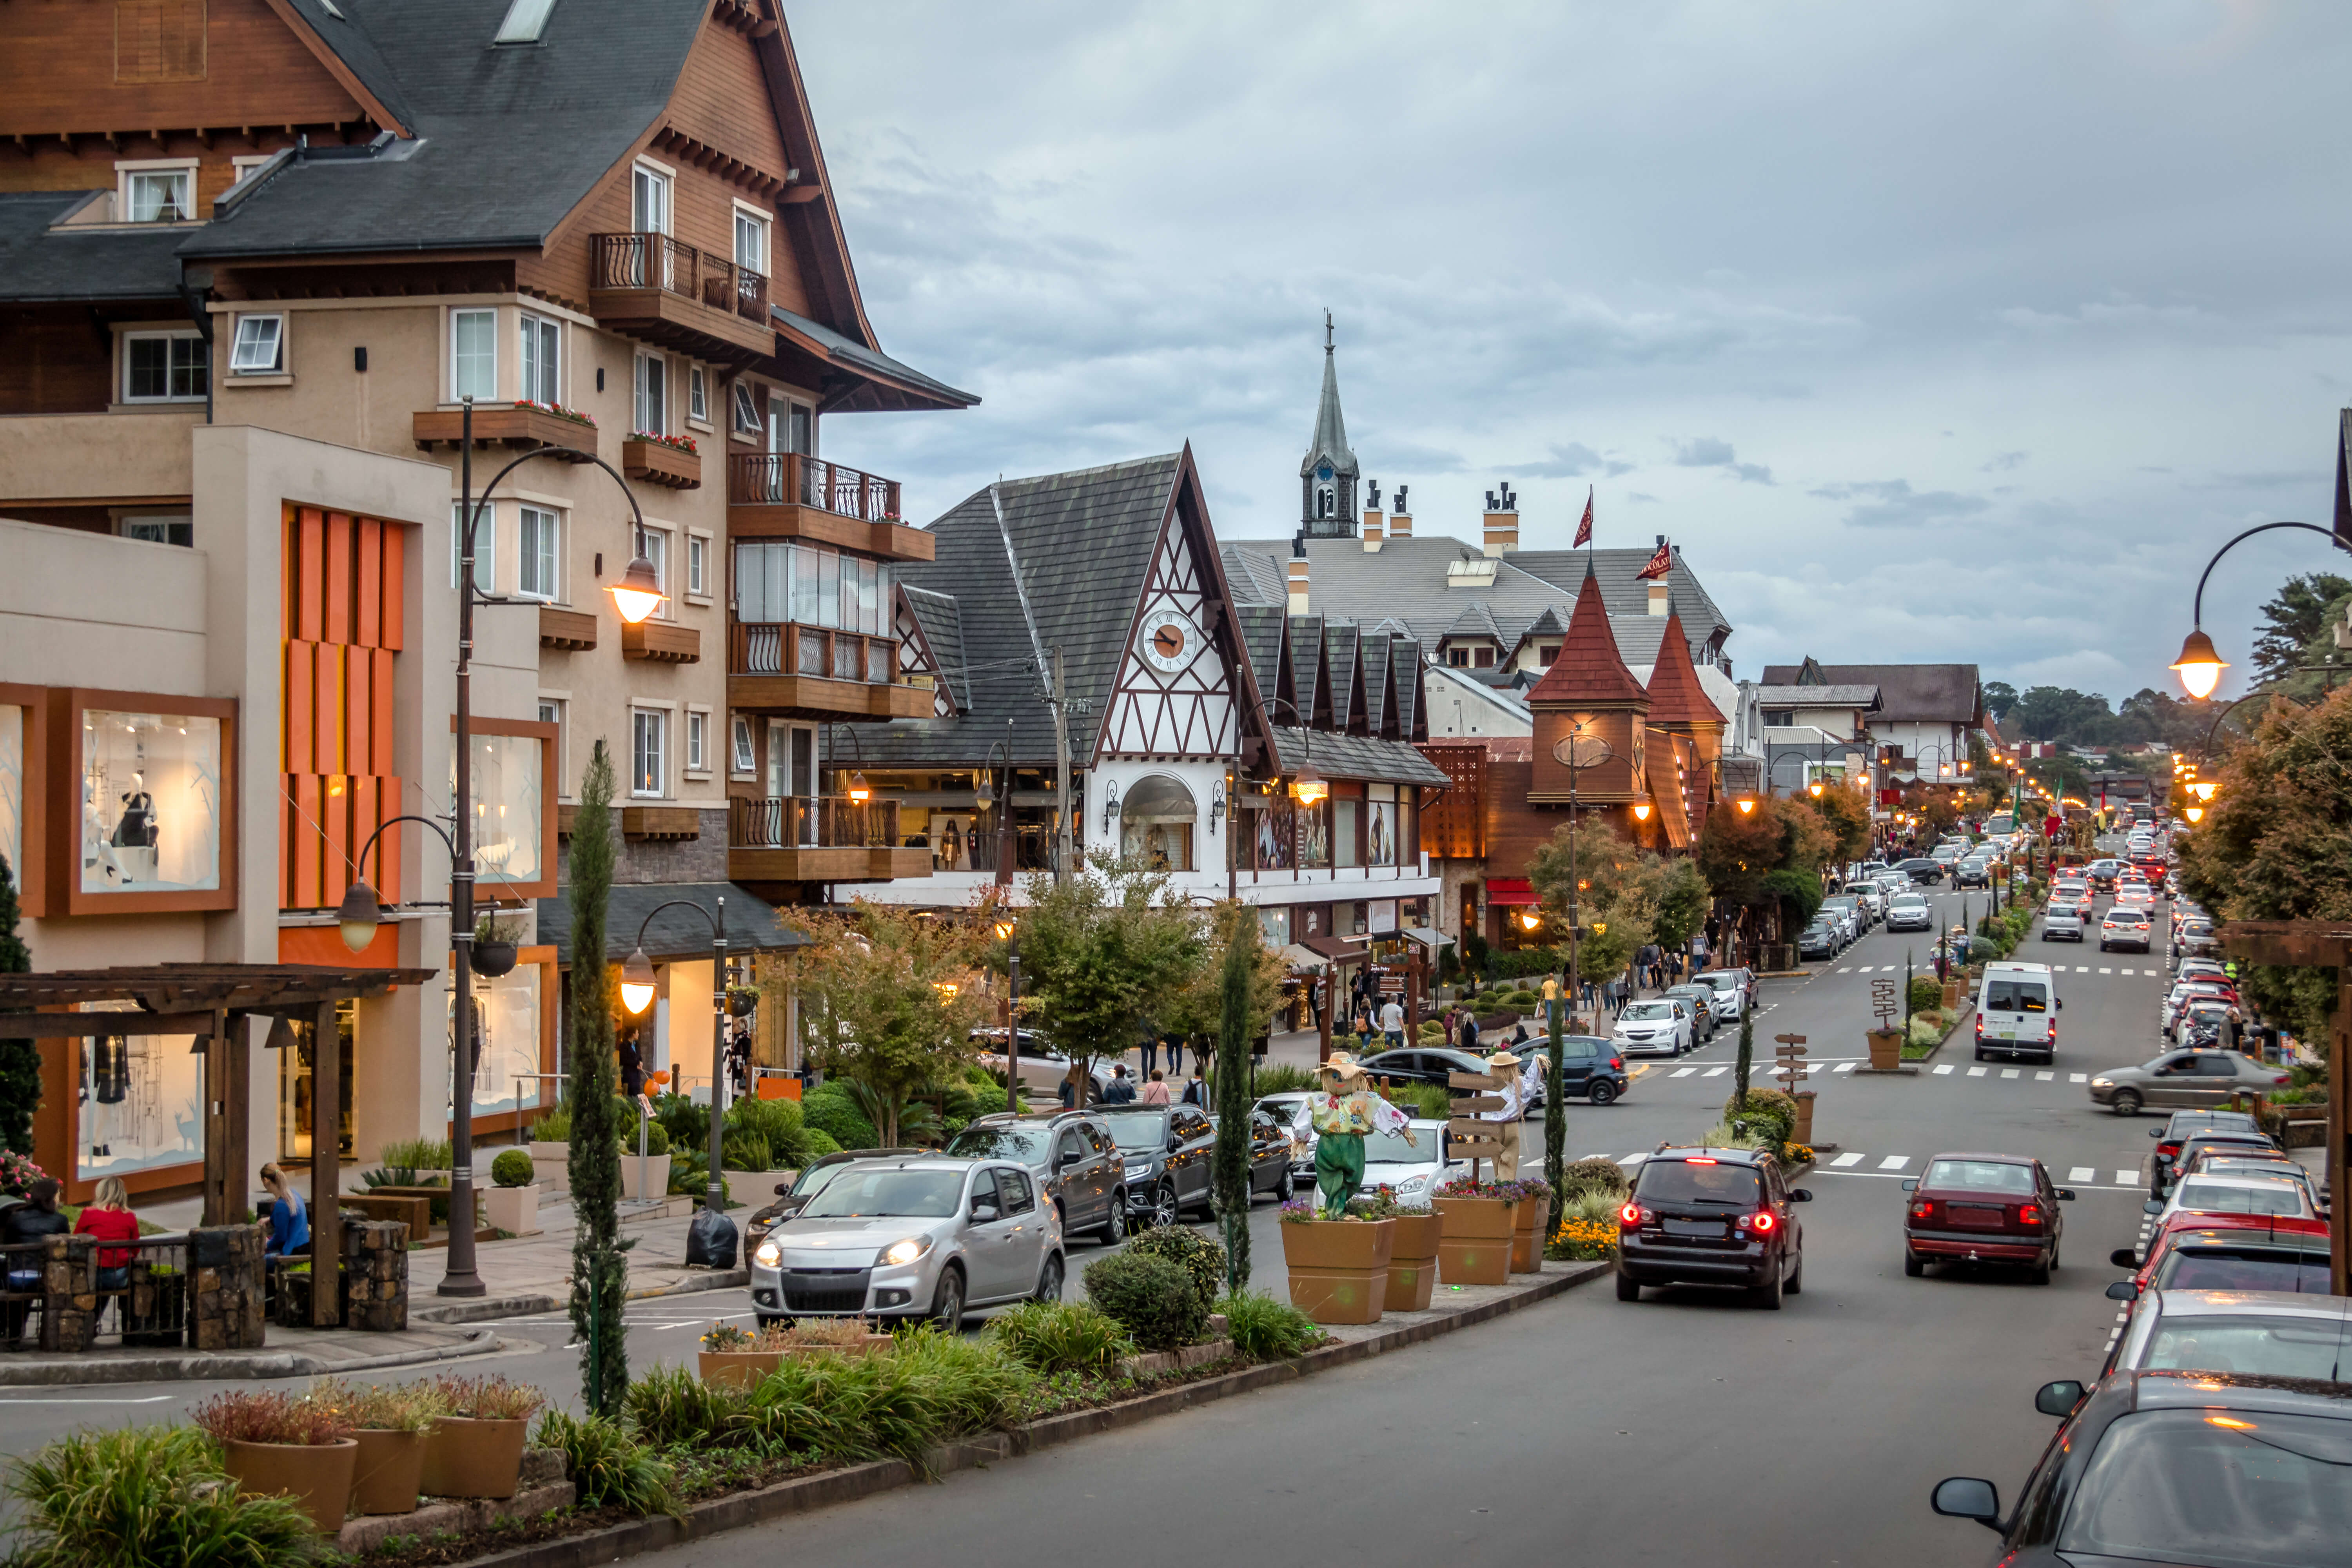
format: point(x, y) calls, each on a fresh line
point(2208, 1229)
point(1983, 1208)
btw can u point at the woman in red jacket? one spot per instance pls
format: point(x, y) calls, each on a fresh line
point(108, 1218)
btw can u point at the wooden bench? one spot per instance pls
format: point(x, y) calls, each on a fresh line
point(415, 1213)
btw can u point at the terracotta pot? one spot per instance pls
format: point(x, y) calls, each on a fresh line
point(1527, 1234)
point(389, 1472)
point(1413, 1263)
point(1339, 1267)
point(1475, 1246)
point(1886, 1050)
point(318, 1476)
point(465, 1457)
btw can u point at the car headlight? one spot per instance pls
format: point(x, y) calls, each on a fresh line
point(768, 1254)
point(1412, 1186)
point(1137, 1172)
point(906, 1251)
point(2102, 1083)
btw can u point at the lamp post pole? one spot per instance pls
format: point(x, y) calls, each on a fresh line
point(637, 983)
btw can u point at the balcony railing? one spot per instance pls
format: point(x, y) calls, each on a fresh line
point(778, 478)
point(658, 261)
point(787, 648)
point(826, 822)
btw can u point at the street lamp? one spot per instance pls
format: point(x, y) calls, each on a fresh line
point(1641, 811)
point(857, 789)
point(1008, 932)
point(638, 986)
point(1747, 803)
point(1814, 788)
point(2200, 664)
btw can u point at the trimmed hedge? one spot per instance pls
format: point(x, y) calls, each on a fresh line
point(1153, 1300)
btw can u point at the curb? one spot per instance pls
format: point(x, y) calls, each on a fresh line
point(214, 1367)
point(804, 1493)
point(530, 1306)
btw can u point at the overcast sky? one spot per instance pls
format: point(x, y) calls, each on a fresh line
point(1927, 332)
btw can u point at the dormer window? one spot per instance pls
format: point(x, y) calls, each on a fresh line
point(158, 193)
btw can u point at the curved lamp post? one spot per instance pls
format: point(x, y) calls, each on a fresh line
point(1307, 787)
point(2200, 664)
point(639, 983)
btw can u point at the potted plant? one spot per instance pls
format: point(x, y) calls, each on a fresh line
point(513, 1198)
point(391, 1423)
point(1339, 1267)
point(155, 1315)
point(1412, 1258)
point(496, 944)
point(827, 1336)
point(648, 1177)
point(742, 1000)
point(474, 1449)
point(276, 1443)
point(735, 1358)
point(1475, 1248)
point(1528, 1212)
point(551, 1150)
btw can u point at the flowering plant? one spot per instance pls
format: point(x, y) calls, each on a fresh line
point(558, 410)
point(726, 1337)
point(1298, 1211)
point(677, 443)
point(17, 1174)
point(1472, 1187)
point(1579, 1240)
point(1383, 1205)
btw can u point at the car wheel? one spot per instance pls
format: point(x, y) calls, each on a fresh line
point(1049, 1278)
point(1767, 1295)
point(2053, 1255)
point(1602, 1092)
point(1286, 1186)
point(1165, 1209)
point(2040, 1274)
point(2127, 1102)
point(1914, 1265)
point(1114, 1225)
point(947, 1302)
point(1628, 1288)
point(1797, 1279)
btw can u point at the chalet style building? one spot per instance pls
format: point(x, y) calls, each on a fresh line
point(279, 279)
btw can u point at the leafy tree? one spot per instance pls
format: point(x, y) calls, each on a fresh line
point(2293, 620)
point(1770, 855)
point(2063, 715)
point(1999, 697)
point(600, 1267)
point(1843, 811)
point(1104, 950)
point(1618, 892)
point(20, 1060)
point(1245, 1008)
point(1683, 901)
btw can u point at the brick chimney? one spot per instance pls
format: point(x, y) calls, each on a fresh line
point(1372, 525)
point(1298, 576)
point(1502, 520)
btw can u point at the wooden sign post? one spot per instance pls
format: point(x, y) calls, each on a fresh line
point(1474, 1139)
point(1789, 1052)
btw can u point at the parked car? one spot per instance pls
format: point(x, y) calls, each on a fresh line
point(1922, 868)
point(2267, 1203)
point(1043, 1066)
point(1436, 1065)
point(2245, 1160)
point(1850, 905)
point(2183, 1125)
point(1701, 999)
point(806, 1184)
point(1983, 1208)
point(922, 1238)
point(1732, 989)
point(1411, 1168)
point(1712, 1216)
point(2126, 927)
point(1289, 1111)
point(2196, 940)
point(2182, 1079)
point(1873, 899)
point(1656, 1027)
point(2226, 1258)
point(2264, 1334)
point(2060, 924)
point(1909, 911)
point(1270, 1170)
point(1167, 1151)
point(2249, 1140)
point(1073, 1156)
point(1819, 940)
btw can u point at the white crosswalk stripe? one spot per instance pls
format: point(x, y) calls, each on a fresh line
point(2038, 1077)
point(2103, 969)
point(1844, 1161)
point(1634, 1158)
point(1892, 1162)
point(1940, 1071)
point(1845, 1066)
point(2071, 1077)
point(2005, 1072)
point(2082, 1173)
point(1976, 1072)
point(2123, 1178)
point(1678, 1072)
point(1711, 1072)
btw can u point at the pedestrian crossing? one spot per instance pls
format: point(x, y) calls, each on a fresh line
point(2054, 969)
point(1858, 1163)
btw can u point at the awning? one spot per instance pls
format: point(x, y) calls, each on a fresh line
point(1336, 949)
point(752, 924)
point(1428, 936)
point(1510, 891)
point(1299, 957)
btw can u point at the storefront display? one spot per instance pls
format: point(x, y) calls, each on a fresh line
point(139, 1102)
point(12, 789)
point(506, 1011)
point(1315, 836)
point(151, 803)
point(296, 1075)
point(1274, 924)
point(509, 819)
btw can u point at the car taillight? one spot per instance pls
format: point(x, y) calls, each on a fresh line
point(2028, 1213)
point(1760, 1222)
point(1630, 1216)
point(1617, 1064)
point(2280, 1078)
point(1924, 1209)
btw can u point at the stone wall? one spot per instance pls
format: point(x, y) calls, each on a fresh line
point(375, 1276)
point(228, 1306)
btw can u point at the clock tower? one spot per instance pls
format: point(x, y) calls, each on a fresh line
point(1328, 476)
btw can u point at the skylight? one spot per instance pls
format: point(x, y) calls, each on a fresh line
point(526, 20)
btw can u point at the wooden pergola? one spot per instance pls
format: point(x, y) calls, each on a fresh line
point(212, 1002)
point(2302, 944)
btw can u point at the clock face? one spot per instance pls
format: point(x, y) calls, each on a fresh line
point(1170, 641)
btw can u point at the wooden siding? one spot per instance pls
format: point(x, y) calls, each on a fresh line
point(341, 578)
point(54, 359)
point(87, 66)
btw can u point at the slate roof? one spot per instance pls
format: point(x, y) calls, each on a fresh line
point(1256, 577)
point(40, 263)
point(751, 921)
point(1840, 696)
point(1907, 693)
point(1330, 438)
point(848, 351)
point(1675, 696)
point(1626, 597)
point(1589, 669)
point(1357, 757)
point(1261, 626)
point(940, 618)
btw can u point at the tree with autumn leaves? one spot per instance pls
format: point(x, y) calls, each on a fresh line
point(1770, 856)
point(1625, 896)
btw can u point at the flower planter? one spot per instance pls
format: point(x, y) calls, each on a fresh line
point(465, 1457)
point(318, 1476)
point(1413, 1263)
point(514, 1210)
point(389, 1472)
point(1339, 1267)
point(736, 1369)
point(1475, 1246)
point(1527, 1234)
point(1886, 1051)
point(654, 463)
point(873, 1344)
point(657, 1177)
point(494, 959)
point(551, 1166)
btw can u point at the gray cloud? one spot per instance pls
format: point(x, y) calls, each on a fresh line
point(2003, 462)
point(1893, 503)
point(1570, 460)
point(1708, 452)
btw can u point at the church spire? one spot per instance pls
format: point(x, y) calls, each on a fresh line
point(1329, 474)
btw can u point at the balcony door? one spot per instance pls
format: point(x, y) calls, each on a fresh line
point(792, 778)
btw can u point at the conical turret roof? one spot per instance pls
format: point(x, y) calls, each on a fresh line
point(1329, 442)
point(1589, 669)
point(1675, 695)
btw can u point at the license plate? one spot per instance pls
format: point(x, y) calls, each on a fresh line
point(1711, 1228)
point(1964, 1216)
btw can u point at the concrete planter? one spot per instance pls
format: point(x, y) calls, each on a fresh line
point(1886, 1050)
point(318, 1476)
point(514, 1210)
point(1339, 1267)
point(753, 1187)
point(1527, 1234)
point(389, 1472)
point(1413, 1263)
point(1475, 1246)
point(551, 1166)
point(656, 1175)
point(465, 1457)
point(736, 1369)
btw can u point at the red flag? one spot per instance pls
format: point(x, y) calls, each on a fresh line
point(1584, 529)
point(1660, 564)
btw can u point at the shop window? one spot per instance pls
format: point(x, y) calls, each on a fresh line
point(1274, 924)
point(510, 820)
point(507, 1041)
point(1380, 826)
point(151, 803)
point(1277, 835)
point(139, 1102)
point(1156, 822)
point(1347, 833)
point(297, 1071)
point(12, 789)
point(1315, 836)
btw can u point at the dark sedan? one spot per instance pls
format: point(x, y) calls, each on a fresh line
point(1438, 1066)
point(1168, 1150)
point(1077, 1164)
point(1922, 869)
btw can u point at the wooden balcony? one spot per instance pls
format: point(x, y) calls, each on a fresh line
point(567, 631)
point(659, 463)
point(829, 839)
point(788, 670)
point(651, 287)
point(660, 824)
point(789, 495)
point(663, 642)
point(520, 425)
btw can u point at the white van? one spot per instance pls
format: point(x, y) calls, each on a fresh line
point(2017, 1012)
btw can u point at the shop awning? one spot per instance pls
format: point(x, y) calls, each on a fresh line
point(1509, 892)
point(1428, 936)
point(1299, 957)
point(1336, 949)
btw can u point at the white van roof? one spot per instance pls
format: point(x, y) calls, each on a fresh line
point(2005, 968)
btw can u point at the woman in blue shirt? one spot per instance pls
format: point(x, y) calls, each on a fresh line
point(289, 1223)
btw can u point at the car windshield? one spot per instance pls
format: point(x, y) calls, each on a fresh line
point(2222, 1198)
point(2252, 1490)
point(1725, 981)
point(888, 1190)
point(1689, 1182)
point(2305, 1274)
point(1391, 1148)
point(1286, 1111)
point(1139, 1128)
point(1026, 1144)
point(1909, 901)
point(1981, 1176)
point(2016, 997)
point(1640, 1010)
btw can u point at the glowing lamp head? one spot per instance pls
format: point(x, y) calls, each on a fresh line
point(358, 916)
point(1004, 930)
point(858, 791)
point(2195, 814)
point(638, 593)
point(637, 981)
point(1814, 788)
point(2200, 665)
point(1529, 920)
point(1746, 803)
point(2205, 788)
point(1309, 788)
point(1641, 811)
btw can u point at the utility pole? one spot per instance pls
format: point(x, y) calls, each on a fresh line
point(1059, 702)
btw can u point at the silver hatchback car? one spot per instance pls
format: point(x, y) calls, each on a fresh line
point(916, 1238)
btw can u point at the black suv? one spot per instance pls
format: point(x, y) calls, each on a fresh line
point(1438, 1064)
point(1167, 1151)
point(1591, 1066)
point(1922, 869)
point(1077, 1162)
point(1712, 1216)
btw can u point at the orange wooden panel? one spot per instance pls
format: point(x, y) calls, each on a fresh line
point(335, 860)
point(359, 708)
point(324, 945)
point(306, 893)
point(367, 626)
point(339, 581)
point(310, 564)
point(380, 700)
point(284, 845)
point(300, 750)
point(395, 578)
point(385, 864)
point(286, 555)
point(366, 802)
point(327, 722)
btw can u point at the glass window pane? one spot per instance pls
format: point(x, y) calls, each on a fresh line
point(828, 588)
point(188, 363)
point(151, 788)
point(255, 350)
point(141, 1101)
point(159, 195)
point(806, 584)
point(486, 552)
point(148, 367)
point(1344, 848)
point(505, 1042)
point(869, 598)
point(473, 355)
point(508, 819)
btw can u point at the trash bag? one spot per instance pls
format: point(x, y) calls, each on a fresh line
point(711, 1240)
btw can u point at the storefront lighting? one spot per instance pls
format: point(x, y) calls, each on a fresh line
point(858, 791)
point(1641, 811)
point(2205, 788)
point(637, 981)
point(358, 916)
point(1529, 920)
point(1309, 788)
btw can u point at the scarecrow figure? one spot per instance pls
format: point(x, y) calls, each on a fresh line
point(1342, 1114)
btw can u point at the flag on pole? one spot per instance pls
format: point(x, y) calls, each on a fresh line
point(1659, 564)
point(1584, 529)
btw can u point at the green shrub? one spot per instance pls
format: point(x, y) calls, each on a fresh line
point(147, 1494)
point(1595, 1173)
point(932, 1387)
point(780, 1122)
point(1431, 1030)
point(1522, 999)
point(1285, 1078)
point(1594, 1206)
point(688, 1124)
point(1201, 1260)
point(1428, 1100)
point(417, 1154)
point(745, 1152)
point(513, 1168)
point(610, 1467)
point(669, 1408)
point(1926, 992)
point(1153, 1300)
point(1762, 1102)
point(1982, 950)
point(1050, 1337)
point(657, 1135)
point(1267, 1330)
point(829, 1109)
point(553, 1126)
point(817, 1143)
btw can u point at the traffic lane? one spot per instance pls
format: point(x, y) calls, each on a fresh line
point(1583, 1419)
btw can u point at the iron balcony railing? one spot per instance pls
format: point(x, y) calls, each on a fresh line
point(824, 822)
point(787, 648)
point(776, 478)
point(658, 261)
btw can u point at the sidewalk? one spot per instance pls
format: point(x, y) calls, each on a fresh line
point(291, 1352)
point(533, 1273)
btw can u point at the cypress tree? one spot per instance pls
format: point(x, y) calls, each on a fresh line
point(1232, 1160)
point(20, 1060)
point(1746, 1054)
point(600, 1267)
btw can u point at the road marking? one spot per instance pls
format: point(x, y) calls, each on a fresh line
point(1843, 1067)
point(1895, 1162)
point(1714, 1072)
point(1843, 1161)
point(1943, 1070)
point(1841, 969)
point(2082, 1173)
point(2126, 1178)
point(1976, 1072)
point(1633, 1159)
point(2044, 1076)
point(147, 1399)
point(2104, 969)
point(2078, 1077)
point(1682, 1072)
point(2008, 1072)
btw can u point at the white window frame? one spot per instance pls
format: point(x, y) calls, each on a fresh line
point(657, 543)
point(645, 717)
point(538, 540)
point(652, 386)
point(125, 184)
point(697, 742)
point(759, 221)
point(171, 334)
point(276, 336)
point(743, 419)
point(457, 392)
point(533, 332)
point(698, 396)
point(743, 761)
point(699, 556)
point(486, 537)
point(555, 708)
point(646, 173)
point(245, 164)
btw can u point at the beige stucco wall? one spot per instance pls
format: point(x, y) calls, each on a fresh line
point(139, 452)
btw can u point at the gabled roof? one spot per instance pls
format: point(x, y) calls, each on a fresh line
point(351, 56)
point(1308, 667)
point(39, 263)
point(1262, 630)
point(1675, 696)
point(1907, 693)
point(1256, 578)
point(1372, 651)
point(1625, 595)
point(1357, 757)
point(941, 620)
point(1347, 674)
point(872, 375)
point(1477, 621)
point(1405, 659)
point(1589, 669)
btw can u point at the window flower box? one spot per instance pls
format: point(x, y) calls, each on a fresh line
point(521, 424)
point(670, 461)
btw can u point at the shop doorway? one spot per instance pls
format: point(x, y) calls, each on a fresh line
point(295, 1077)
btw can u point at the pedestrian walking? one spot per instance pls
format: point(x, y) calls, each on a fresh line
point(1154, 1092)
point(1175, 1044)
point(1149, 1051)
point(1392, 1022)
point(1121, 1090)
